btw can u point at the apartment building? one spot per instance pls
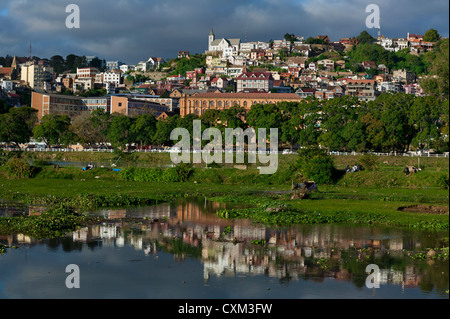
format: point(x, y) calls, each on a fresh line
point(254, 81)
point(87, 72)
point(365, 90)
point(130, 106)
point(66, 104)
point(36, 74)
point(113, 77)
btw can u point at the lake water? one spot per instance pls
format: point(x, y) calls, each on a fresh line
point(181, 250)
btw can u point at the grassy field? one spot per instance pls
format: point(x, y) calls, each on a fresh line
point(355, 196)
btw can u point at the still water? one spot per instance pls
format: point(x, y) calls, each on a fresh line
point(182, 250)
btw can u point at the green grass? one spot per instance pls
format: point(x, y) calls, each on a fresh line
point(362, 197)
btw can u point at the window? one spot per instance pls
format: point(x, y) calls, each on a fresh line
point(120, 103)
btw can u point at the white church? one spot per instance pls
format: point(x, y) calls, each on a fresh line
point(228, 47)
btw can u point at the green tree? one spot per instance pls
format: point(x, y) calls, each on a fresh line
point(4, 107)
point(57, 63)
point(164, 128)
point(143, 129)
point(393, 111)
point(289, 37)
point(337, 116)
point(233, 117)
point(119, 132)
point(425, 117)
point(314, 164)
point(438, 80)
point(54, 129)
point(431, 35)
point(364, 37)
point(16, 126)
point(210, 117)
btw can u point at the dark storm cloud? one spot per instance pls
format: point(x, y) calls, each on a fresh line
point(134, 30)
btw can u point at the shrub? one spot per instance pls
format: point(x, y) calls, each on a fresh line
point(19, 168)
point(315, 164)
point(180, 173)
point(442, 181)
point(368, 162)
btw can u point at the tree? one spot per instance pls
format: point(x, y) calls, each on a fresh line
point(431, 35)
point(289, 37)
point(92, 128)
point(233, 117)
point(337, 114)
point(425, 117)
point(119, 132)
point(364, 37)
point(143, 129)
point(314, 164)
point(393, 111)
point(54, 129)
point(16, 126)
point(437, 83)
point(4, 107)
point(209, 117)
point(57, 63)
point(164, 128)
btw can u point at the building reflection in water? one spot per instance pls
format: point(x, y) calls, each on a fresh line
point(225, 246)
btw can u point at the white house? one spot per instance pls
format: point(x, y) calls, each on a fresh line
point(6, 85)
point(113, 76)
point(126, 67)
point(113, 65)
point(155, 63)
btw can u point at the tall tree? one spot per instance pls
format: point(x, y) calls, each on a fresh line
point(16, 126)
point(54, 129)
point(143, 129)
point(437, 83)
point(119, 133)
point(431, 35)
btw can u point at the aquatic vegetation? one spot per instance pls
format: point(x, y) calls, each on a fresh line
point(261, 242)
point(52, 223)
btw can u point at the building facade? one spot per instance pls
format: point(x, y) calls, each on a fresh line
point(35, 74)
point(254, 81)
point(198, 103)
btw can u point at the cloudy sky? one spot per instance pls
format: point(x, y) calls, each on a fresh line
point(133, 30)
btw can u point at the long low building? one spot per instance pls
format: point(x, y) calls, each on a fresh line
point(72, 106)
point(198, 103)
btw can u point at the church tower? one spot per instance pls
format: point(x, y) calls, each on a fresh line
point(211, 38)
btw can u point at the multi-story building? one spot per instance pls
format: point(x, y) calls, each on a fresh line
point(403, 75)
point(87, 72)
point(66, 104)
point(129, 106)
point(83, 84)
point(254, 81)
point(113, 76)
point(200, 102)
point(391, 87)
point(113, 65)
point(365, 90)
point(75, 105)
point(36, 74)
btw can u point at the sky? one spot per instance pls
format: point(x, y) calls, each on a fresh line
point(134, 30)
